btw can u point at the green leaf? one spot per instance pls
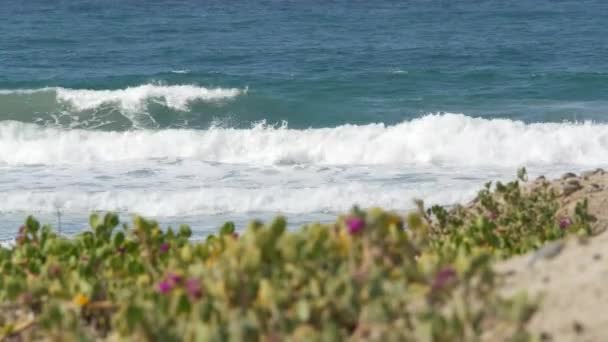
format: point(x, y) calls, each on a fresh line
point(134, 316)
point(94, 220)
point(32, 224)
point(303, 310)
point(227, 229)
point(278, 226)
point(119, 238)
point(183, 304)
point(13, 288)
point(184, 231)
point(522, 174)
point(111, 220)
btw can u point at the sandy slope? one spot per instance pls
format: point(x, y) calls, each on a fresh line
point(571, 275)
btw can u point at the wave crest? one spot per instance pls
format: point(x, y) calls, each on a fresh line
point(134, 99)
point(452, 139)
point(89, 108)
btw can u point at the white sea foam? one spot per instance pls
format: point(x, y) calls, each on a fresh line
point(134, 99)
point(208, 208)
point(216, 201)
point(452, 139)
point(26, 91)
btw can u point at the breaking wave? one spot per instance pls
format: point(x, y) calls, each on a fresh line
point(131, 99)
point(453, 139)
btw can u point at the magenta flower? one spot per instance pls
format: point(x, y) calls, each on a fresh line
point(193, 288)
point(21, 239)
point(21, 235)
point(174, 278)
point(565, 222)
point(493, 216)
point(54, 270)
point(165, 286)
point(164, 247)
point(443, 278)
point(355, 224)
point(26, 298)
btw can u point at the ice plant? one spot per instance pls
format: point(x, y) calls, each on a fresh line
point(164, 247)
point(165, 282)
point(174, 278)
point(26, 298)
point(355, 224)
point(54, 270)
point(193, 288)
point(493, 216)
point(21, 236)
point(165, 286)
point(443, 278)
point(565, 222)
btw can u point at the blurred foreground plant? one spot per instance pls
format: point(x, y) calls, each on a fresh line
point(369, 275)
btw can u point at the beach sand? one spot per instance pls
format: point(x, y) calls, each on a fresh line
point(571, 276)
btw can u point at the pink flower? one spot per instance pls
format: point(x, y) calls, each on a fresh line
point(355, 224)
point(443, 278)
point(565, 222)
point(193, 288)
point(165, 286)
point(164, 247)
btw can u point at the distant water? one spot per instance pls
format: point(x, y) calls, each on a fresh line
point(206, 111)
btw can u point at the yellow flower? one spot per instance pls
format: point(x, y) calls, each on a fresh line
point(81, 300)
point(264, 297)
point(344, 242)
point(394, 219)
point(210, 261)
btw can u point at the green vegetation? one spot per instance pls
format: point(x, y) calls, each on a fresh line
point(370, 275)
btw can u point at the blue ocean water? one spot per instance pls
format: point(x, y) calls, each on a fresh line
point(204, 111)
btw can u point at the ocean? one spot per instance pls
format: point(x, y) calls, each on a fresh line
point(201, 112)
